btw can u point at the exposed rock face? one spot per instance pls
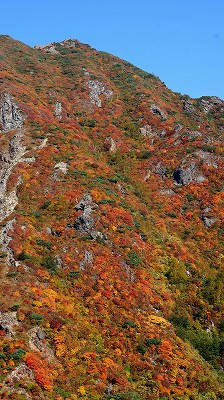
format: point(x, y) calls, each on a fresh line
point(52, 47)
point(8, 321)
point(8, 161)
point(146, 130)
point(208, 103)
point(5, 239)
point(62, 166)
point(157, 111)
point(58, 110)
point(208, 158)
point(160, 170)
point(20, 372)
point(11, 116)
point(187, 173)
point(110, 145)
point(85, 223)
point(207, 217)
point(48, 48)
point(167, 192)
point(96, 89)
point(69, 43)
point(190, 109)
point(37, 342)
point(87, 260)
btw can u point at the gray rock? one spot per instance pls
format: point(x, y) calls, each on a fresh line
point(167, 192)
point(87, 260)
point(62, 166)
point(160, 170)
point(85, 223)
point(209, 102)
point(48, 48)
point(187, 173)
point(207, 217)
point(11, 116)
point(5, 240)
point(8, 321)
point(146, 130)
point(208, 158)
point(48, 230)
point(157, 111)
point(38, 343)
point(96, 89)
point(58, 261)
point(188, 107)
point(58, 109)
point(8, 161)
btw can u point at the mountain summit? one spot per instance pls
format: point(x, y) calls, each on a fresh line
point(111, 212)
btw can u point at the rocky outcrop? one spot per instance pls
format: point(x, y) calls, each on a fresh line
point(52, 48)
point(58, 110)
point(208, 103)
point(37, 342)
point(62, 167)
point(207, 217)
point(189, 108)
point(85, 223)
point(5, 239)
point(11, 117)
point(8, 161)
point(208, 158)
point(96, 89)
point(160, 169)
point(48, 48)
point(87, 260)
point(157, 111)
point(110, 144)
point(20, 373)
point(8, 321)
point(146, 130)
point(187, 173)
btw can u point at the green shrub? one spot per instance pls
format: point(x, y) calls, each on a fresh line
point(18, 354)
point(36, 317)
point(134, 259)
point(150, 341)
point(127, 324)
point(23, 256)
point(49, 263)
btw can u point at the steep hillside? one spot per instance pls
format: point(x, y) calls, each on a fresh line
point(112, 229)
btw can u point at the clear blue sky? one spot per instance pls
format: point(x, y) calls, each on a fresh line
point(180, 41)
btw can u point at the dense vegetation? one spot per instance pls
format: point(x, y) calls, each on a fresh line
point(132, 308)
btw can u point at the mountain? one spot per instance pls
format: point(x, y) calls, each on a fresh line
point(112, 230)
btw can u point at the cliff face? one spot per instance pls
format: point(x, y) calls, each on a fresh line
point(111, 211)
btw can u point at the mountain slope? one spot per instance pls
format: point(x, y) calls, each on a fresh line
point(111, 208)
